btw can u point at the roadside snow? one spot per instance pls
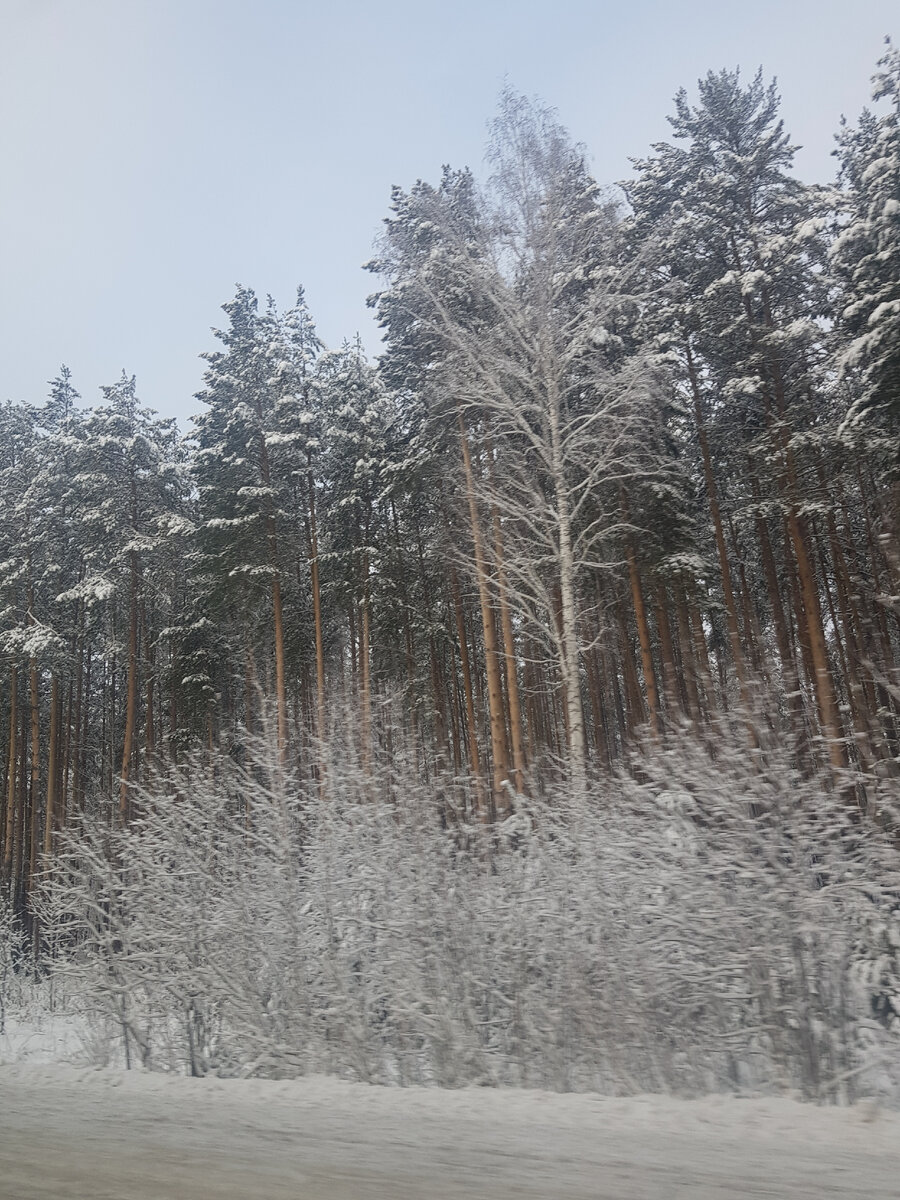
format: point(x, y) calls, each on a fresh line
point(112, 1135)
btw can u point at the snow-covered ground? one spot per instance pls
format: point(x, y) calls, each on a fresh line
point(70, 1132)
point(43, 1037)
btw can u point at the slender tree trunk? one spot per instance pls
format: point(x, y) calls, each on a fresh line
point(491, 655)
point(667, 652)
point(317, 606)
point(131, 694)
point(365, 685)
point(824, 683)
point(52, 764)
point(277, 614)
point(408, 643)
point(21, 844)
point(690, 674)
point(9, 833)
point(79, 754)
point(150, 720)
point(701, 653)
point(779, 620)
point(471, 724)
point(280, 687)
point(634, 701)
point(439, 692)
point(799, 615)
point(34, 790)
point(643, 628)
point(68, 735)
point(569, 661)
point(517, 740)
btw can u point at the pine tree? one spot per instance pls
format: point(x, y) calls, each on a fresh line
point(740, 244)
point(867, 258)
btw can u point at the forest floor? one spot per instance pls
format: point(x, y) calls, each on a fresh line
point(76, 1133)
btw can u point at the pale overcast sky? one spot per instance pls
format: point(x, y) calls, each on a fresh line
point(156, 152)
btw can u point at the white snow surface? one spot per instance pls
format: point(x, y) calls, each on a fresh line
point(77, 1133)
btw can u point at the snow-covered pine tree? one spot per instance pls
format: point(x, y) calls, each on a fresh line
point(866, 256)
point(740, 240)
point(130, 503)
point(357, 473)
point(242, 530)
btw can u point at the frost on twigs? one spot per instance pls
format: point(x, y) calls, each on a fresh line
point(720, 925)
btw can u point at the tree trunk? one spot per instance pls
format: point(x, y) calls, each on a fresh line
point(317, 607)
point(634, 701)
point(9, 832)
point(492, 663)
point(690, 674)
point(471, 724)
point(280, 687)
point(667, 653)
point(131, 694)
point(569, 658)
point(365, 685)
point(150, 720)
point(34, 789)
point(510, 660)
point(643, 628)
point(828, 708)
point(52, 764)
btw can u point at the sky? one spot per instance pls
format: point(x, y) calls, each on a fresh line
point(155, 153)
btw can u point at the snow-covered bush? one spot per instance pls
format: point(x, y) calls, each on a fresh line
point(13, 945)
point(706, 926)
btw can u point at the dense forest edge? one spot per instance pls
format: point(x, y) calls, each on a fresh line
point(523, 707)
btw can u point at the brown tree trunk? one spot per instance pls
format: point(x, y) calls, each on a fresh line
point(317, 606)
point(471, 725)
point(779, 620)
point(280, 686)
point(131, 694)
point(688, 660)
point(667, 652)
point(634, 702)
point(277, 614)
point(150, 720)
point(365, 685)
point(67, 735)
point(701, 653)
point(21, 840)
point(9, 832)
point(824, 684)
point(517, 740)
point(34, 789)
point(643, 628)
point(79, 751)
point(52, 764)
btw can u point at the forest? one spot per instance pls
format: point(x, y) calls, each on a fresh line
point(522, 706)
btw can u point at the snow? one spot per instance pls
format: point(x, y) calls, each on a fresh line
point(80, 1133)
point(41, 1038)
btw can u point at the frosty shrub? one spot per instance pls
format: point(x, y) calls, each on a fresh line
point(713, 924)
point(13, 953)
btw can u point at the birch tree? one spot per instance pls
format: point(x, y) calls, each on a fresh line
point(522, 303)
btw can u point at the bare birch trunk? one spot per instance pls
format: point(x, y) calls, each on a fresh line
point(491, 655)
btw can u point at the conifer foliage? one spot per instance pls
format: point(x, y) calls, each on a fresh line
point(623, 484)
